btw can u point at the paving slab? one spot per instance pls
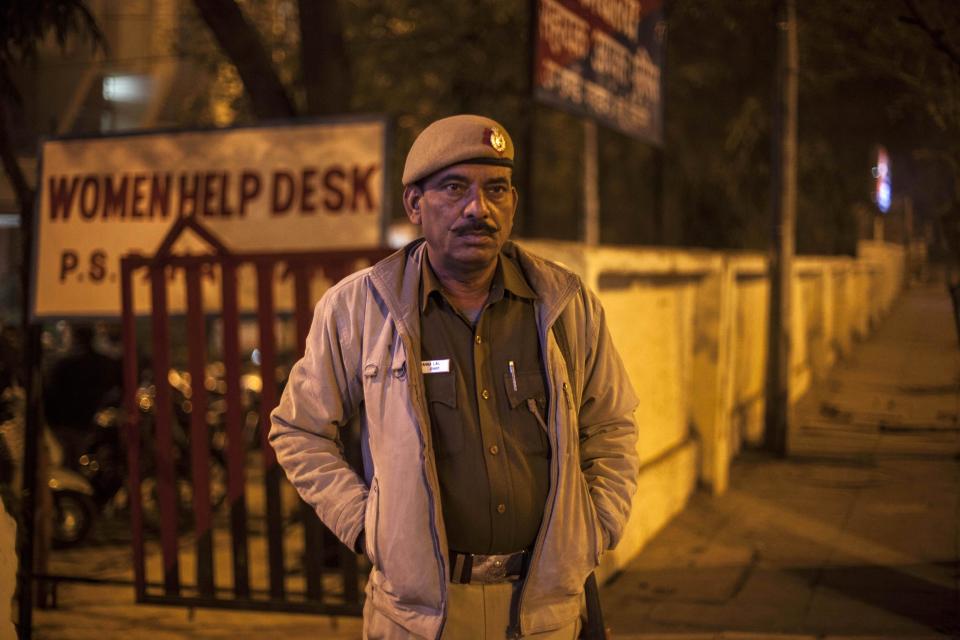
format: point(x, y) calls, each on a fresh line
point(854, 535)
point(99, 612)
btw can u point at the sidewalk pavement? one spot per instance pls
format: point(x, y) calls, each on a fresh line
point(855, 535)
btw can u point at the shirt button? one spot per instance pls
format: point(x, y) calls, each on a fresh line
point(501, 508)
point(485, 394)
point(478, 339)
point(494, 449)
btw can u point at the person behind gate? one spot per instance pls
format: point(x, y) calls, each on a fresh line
point(495, 415)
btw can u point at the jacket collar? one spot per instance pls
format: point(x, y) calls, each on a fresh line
point(397, 279)
point(506, 277)
point(554, 285)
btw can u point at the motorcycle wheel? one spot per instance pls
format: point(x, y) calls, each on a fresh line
point(73, 514)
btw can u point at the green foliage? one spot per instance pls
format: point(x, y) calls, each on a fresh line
point(555, 195)
point(719, 86)
point(418, 61)
point(24, 24)
point(224, 102)
point(866, 78)
point(629, 179)
point(870, 77)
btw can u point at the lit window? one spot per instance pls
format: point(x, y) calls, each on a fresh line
point(126, 88)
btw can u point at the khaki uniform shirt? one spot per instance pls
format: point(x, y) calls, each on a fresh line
point(486, 395)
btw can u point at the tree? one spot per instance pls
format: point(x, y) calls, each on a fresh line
point(411, 60)
point(866, 78)
point(939, 22)
point(719, 91)
point(24, 24)
point(324, 70)
point(901, 56)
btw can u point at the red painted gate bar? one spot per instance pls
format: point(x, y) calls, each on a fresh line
point(268, 400)
point(312, 530)
point(327, 578)
point(199, 433)
point(163, 426)
point(132, 425)
point(236, 476)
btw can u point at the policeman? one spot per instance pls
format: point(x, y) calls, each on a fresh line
point(496, 416)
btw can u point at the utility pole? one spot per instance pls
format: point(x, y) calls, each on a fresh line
point(591, 191)
point(31, 491)
point(775, 436)
point(524, 223)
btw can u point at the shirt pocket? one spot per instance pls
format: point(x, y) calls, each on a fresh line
point(445, 422)
point(528, 404)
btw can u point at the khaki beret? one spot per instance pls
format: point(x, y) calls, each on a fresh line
point(455, 140)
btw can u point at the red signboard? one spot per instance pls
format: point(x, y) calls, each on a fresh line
point(603, 59)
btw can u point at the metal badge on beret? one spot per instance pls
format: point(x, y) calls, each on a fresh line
point(495, 139)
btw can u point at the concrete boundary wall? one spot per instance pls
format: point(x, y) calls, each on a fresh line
point(692, 326)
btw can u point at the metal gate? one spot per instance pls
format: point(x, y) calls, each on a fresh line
point(190, 548)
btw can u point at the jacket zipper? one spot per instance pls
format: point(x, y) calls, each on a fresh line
point(552, 498)
point(564, 299)
point(567, 396)
point(416, 387)
point(376, 524)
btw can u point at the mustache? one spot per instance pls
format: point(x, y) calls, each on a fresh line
point(476, 226)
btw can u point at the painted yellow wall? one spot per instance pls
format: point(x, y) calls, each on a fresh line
point(692, 328)
point(652, 324)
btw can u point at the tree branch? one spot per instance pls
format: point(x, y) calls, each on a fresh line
point(324, 65)
point(23, 190)
point(241, 43)
point(917, 19)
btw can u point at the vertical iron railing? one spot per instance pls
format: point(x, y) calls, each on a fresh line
point(331, 574)
point(236, 468)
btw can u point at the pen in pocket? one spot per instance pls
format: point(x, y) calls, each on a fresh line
point(513, 374)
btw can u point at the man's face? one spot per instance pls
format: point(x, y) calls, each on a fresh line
point(466, 212)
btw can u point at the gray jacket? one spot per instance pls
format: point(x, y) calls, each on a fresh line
point(362, 361)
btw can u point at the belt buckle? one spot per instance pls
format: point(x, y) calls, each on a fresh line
point(491, 569)
point(477, 568)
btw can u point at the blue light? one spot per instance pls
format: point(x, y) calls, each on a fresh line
point(883, 195)
point(881, 173)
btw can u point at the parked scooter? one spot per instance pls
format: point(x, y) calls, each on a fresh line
point(74, 510)
point(103, 461)
point(93, 483)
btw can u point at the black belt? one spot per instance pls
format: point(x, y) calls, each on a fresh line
point(477, 568)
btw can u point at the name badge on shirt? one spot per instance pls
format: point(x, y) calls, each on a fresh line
point(435, 366)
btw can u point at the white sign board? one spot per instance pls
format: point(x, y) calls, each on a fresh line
point(289, 188)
